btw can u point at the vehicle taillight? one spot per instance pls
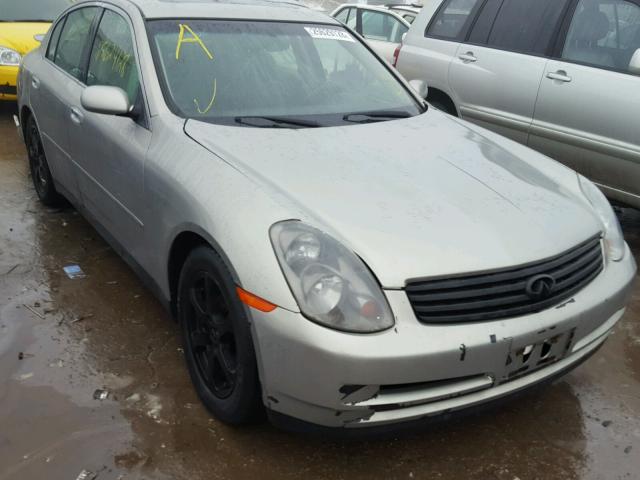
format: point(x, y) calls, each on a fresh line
point(396, 54)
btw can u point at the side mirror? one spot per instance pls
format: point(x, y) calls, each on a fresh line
point(420, 87)
point(634, 64)
point(106, 100)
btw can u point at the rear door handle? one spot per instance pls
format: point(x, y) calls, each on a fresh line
point(560, 76)
point(468, 57)
point(76, 115)
point(35, 83)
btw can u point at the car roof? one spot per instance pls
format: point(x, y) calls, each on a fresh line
point(382, 8)
point(406, 8)
point(279, 10)
point(397, 14)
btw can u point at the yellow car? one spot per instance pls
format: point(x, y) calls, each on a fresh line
point(23, 25)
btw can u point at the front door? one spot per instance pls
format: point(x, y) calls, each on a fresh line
point(110, 150)
point(497, 70)
point(587, 110)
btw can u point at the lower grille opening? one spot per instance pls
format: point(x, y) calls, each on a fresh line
point(8, 90)
point(393, 397)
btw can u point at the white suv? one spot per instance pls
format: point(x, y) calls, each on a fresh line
point(558, 75)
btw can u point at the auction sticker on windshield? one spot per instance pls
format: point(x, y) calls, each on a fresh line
point(329, 34)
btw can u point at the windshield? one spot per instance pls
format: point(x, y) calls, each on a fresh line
point(32, 10)
point(310, 75)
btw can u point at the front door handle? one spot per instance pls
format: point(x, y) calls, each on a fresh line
point(560, 76)
point(76, 115)
point(468, 57)
point(35, 82)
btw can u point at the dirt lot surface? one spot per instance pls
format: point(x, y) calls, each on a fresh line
point(63, 339)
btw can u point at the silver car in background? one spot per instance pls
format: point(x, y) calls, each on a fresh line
point(333, 249)
point(381, 26)
point(561, 76)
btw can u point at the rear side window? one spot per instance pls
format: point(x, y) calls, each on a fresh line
point(484, 23)
point(382, 26)
point(409, 17)
point(451, 19)
point(53, 42)
point(526, 26)
point(352, 20)
point(73, 40)
point(113, 62)
point(343, 15)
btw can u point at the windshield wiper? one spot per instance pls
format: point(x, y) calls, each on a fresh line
point(275, 122)
point(375, 116)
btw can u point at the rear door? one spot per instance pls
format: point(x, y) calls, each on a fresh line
point(497, 71)
point(111, 150)
point(587, 114)
point(433, 40)
point(382, 30)
point(55, 86)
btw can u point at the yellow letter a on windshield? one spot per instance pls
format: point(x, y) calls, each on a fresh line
point(193, 39)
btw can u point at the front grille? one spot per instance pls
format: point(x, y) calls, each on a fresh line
point(8, 89)
point(508, 292)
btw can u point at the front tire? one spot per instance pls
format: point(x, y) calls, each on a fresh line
point(40, 172)
point(217, 339)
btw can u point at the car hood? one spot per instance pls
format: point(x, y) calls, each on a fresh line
point(414, 198)
point(20, 36)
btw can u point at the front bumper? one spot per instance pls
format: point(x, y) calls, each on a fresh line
point(333, 379)
point(8, 81)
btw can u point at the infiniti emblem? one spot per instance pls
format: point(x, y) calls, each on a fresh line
point(540, 286)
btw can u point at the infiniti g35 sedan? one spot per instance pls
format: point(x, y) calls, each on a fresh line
point(244, 159)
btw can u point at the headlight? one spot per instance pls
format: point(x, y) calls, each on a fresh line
point(9, 57)
point(613, 238)
point(331, 284)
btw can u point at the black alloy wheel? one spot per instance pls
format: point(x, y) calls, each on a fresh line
point(40, 172)
point(218, 344)
point(211, 333)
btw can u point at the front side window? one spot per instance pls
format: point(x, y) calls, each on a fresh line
point(112, 60)
point(526, 26)
point(73, 39)
point(451, 18)
point(604, 33)
point(53, 42)
point(218, 71)
point(381, 26)
point(32, 10)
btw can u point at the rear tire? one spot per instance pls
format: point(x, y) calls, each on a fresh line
point(40, 172)
point(217, 340)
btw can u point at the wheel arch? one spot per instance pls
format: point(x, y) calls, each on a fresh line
point(443, 99)
point(25, 113)
point(184, 242)
point(186, 239)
